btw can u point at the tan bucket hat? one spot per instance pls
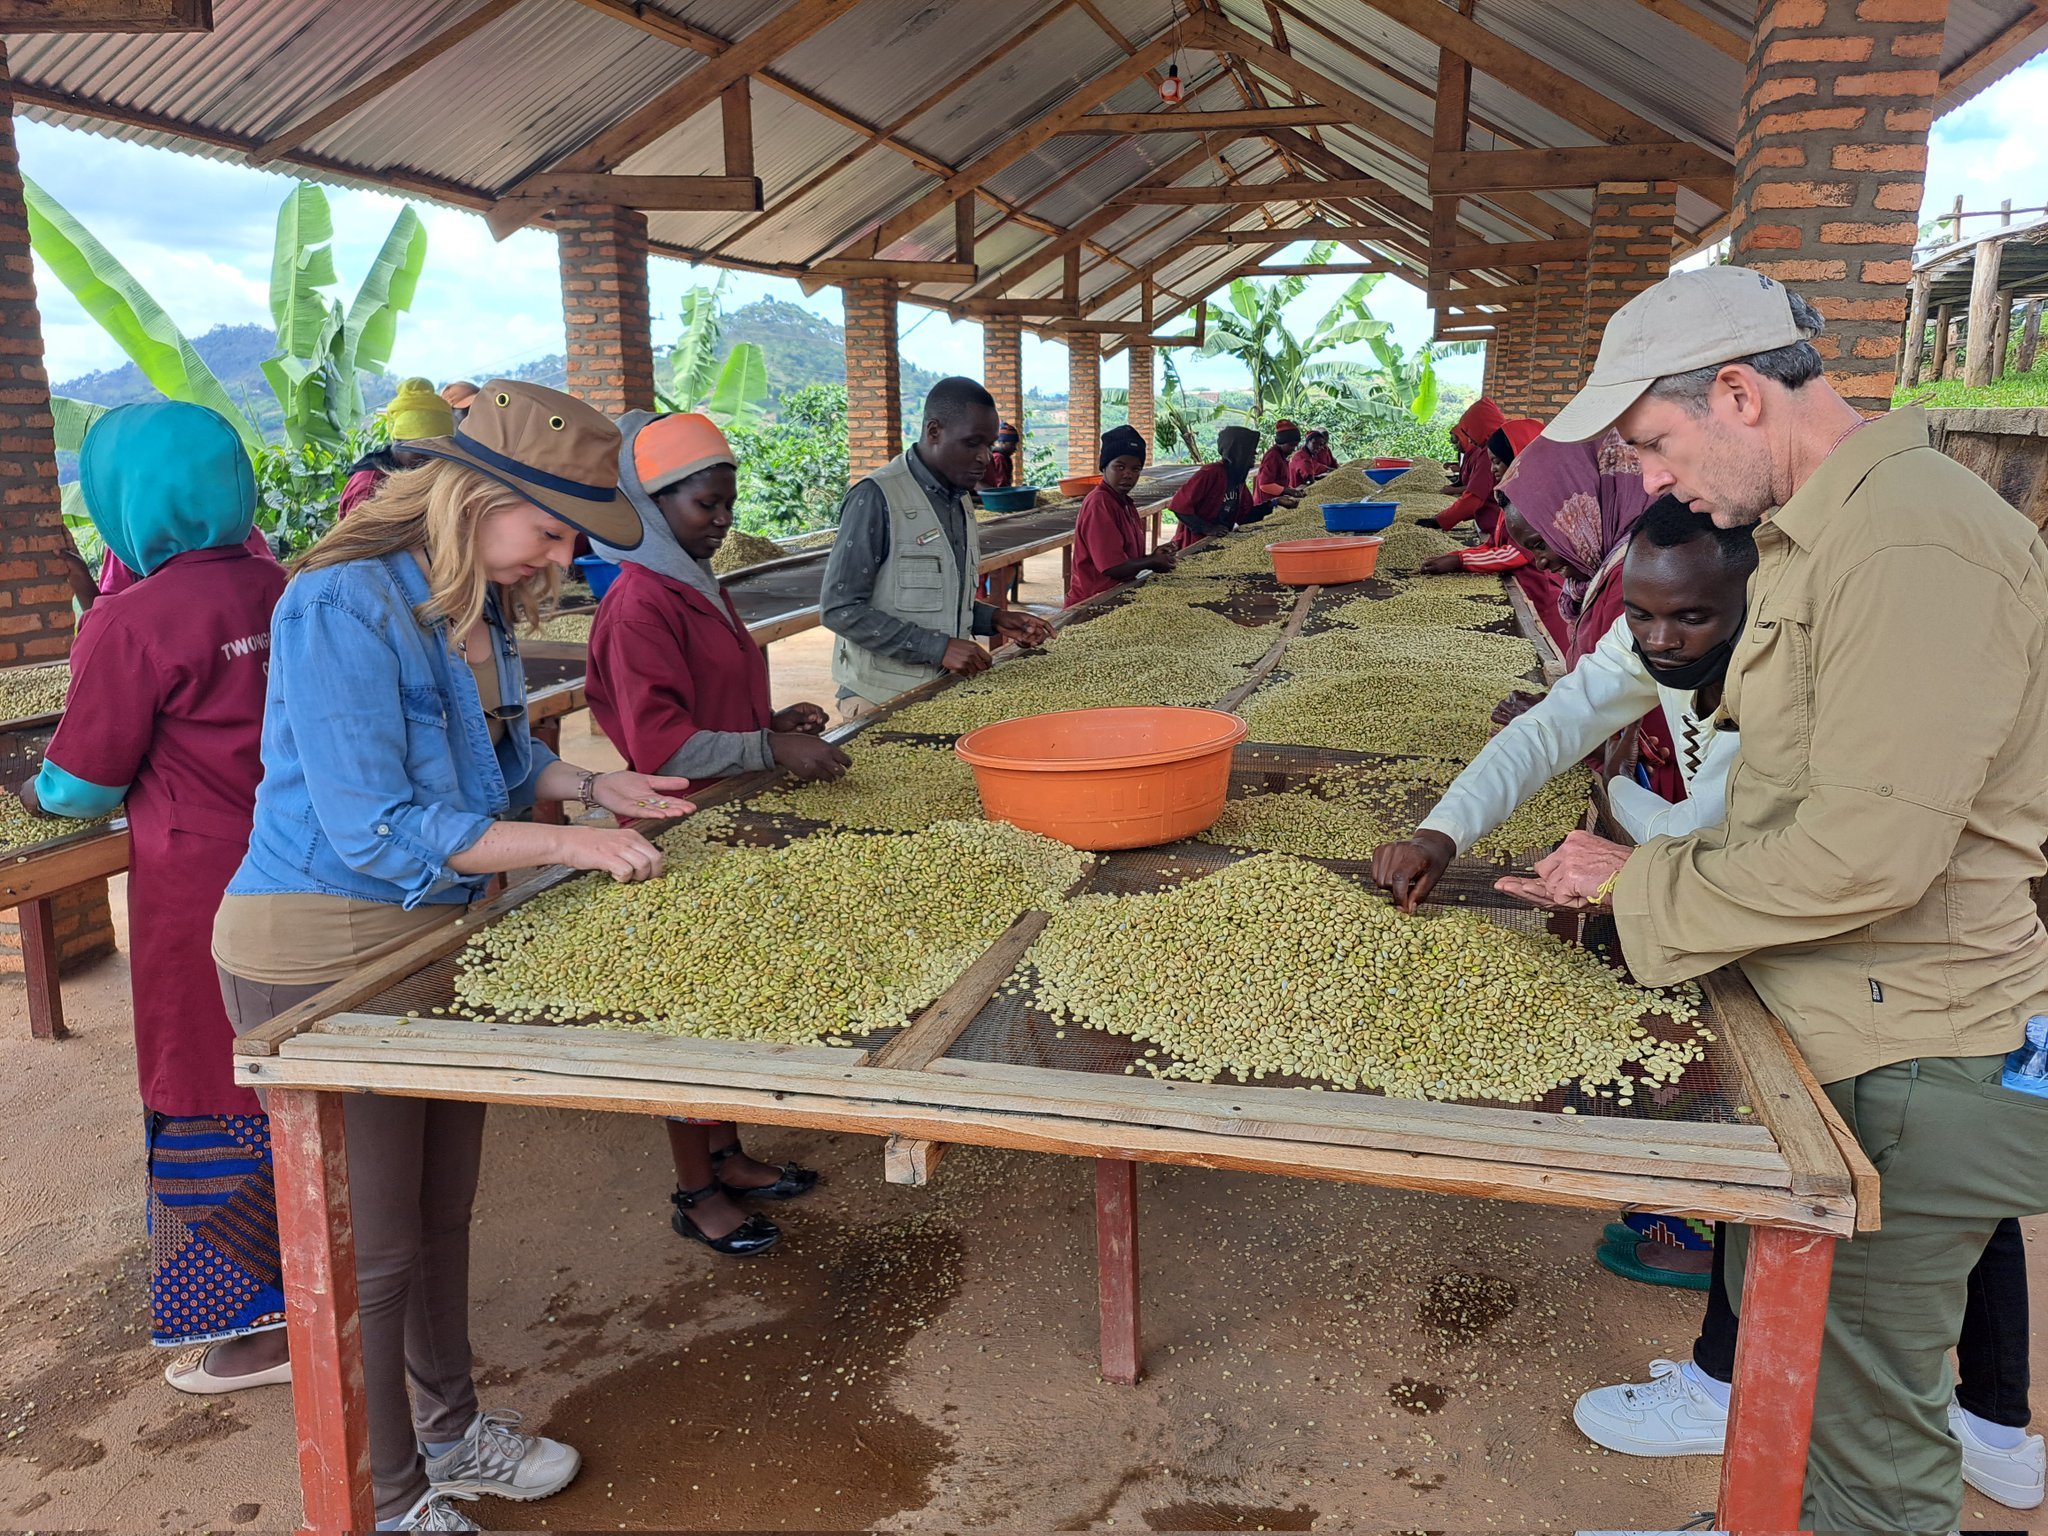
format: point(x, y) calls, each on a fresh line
point(1690, 320)
point(552, 449)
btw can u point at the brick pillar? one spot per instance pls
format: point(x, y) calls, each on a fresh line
point(604, 300)
point(1557, 351)
point(1084, 404)
point(874, 375)
point(1144, 395)
point(1629, 250)
point(1002, 375)
point(1517, 335)
point(1830, 162)
point(1489, 380)
point(84, 921)
point(35, 597)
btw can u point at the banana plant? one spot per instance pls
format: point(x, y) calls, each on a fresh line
point(113, 296)
point(1285, 382)
point(323, 349)
point(733, 393)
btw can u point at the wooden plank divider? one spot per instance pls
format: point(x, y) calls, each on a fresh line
point(1266, 663)
point(1453, 1174)
point(32, 876)
point(932, 1033)
point(1774, 1087)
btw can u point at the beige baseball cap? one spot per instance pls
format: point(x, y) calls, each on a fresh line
point(1690, 320)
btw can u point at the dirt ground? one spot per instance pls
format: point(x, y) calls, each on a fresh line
point(1316, 1356)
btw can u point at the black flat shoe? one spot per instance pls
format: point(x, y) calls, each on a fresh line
point(757, 1234)
point(794, 1181)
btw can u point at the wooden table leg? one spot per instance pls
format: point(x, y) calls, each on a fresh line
point(321, 1314)
point(37, 921)
point(1777, 1366)
point(1116, 1259)
point(548, 733)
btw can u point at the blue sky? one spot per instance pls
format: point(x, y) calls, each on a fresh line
point(199, 233)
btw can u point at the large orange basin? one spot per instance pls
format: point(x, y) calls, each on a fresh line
point(1324, 562)
point(1106, 778)
point(1078, 485)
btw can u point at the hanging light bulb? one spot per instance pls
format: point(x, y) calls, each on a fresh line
point(1169, 88)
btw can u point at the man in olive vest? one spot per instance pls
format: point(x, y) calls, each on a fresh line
point(899, 585)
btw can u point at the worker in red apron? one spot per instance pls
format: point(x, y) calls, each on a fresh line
point(681, 688)
point(1002, 460)
point(166, 715)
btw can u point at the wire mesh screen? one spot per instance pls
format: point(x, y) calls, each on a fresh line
point(1013, 1030)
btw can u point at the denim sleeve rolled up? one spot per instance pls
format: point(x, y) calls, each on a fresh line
point(378, 762)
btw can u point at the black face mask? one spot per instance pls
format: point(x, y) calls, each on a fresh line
point(1697, 674)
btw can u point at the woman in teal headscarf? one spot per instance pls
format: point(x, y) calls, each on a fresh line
point(165, 715)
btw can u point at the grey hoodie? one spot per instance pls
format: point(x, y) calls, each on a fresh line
point(707, 754)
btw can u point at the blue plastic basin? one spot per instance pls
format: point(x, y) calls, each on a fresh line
point(598, 571)
point(1382, 476)
point(1359, 516)
point(1011, 498)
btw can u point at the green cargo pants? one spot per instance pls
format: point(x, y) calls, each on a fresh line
point(1957, 1153)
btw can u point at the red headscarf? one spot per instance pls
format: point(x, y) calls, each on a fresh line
point(1521, 432)
point(1481, 420)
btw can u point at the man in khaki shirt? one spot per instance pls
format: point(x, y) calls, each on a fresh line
point(1884, 818)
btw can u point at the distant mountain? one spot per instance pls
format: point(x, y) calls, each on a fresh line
point(236, 354)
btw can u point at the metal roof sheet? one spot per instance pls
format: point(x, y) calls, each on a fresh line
point(528, 88)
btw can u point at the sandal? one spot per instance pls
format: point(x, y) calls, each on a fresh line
point(188, 1373)
point(794, 1181)
point(757, 1234)
point(1618, 1256)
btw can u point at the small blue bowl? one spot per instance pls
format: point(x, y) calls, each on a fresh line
point(1382, 476)
point(1359, 516)
point(1011, 498)
point(598, 571)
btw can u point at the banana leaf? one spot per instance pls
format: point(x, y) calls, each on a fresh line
point(371, 329)
point(74, 418)
point(741, 397)
point(693, 363)
point(111, 294)
point(301, 270)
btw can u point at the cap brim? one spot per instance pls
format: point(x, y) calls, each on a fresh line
point(1593, 410)
point(611, 522)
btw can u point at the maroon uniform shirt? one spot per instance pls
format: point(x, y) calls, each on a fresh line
point(667, 662)
point(1207, 494)
point(1107, 532)
point(167, 684)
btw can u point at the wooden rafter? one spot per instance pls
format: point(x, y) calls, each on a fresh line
point(1314, 229)
point(1447, 136)
point(1232, 120)
point(357, 97)
point(1286, 189)
point(1524, 170)
point(2004, 52)
point(1519, 253)
point(106, 16)
point(1324, 269)
point(1394, 133)
point(1701, 26)
point(698, 89)
point(1017, 146)
point(689, 194)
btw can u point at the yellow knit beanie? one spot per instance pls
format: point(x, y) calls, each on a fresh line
point(418, 411)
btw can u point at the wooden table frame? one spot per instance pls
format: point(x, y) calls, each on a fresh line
point(30, 884)
point(1794, 1173)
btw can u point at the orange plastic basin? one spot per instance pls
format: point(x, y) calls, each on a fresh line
point(1106, 778)
point(1324, 562)
point(1078, 485)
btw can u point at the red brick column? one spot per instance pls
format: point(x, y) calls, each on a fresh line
point(1144, 394)
point(35, 598)
point(1830, 164)
point(1489, 381)
point(874, 375)
point(604, 300)
point(1629, 249)
point(1516, 336)
point(1084, 404)
point(1002, 375)
point(1556, 354)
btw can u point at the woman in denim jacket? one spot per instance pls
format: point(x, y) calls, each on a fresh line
point(394, 745)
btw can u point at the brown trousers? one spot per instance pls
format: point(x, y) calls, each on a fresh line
point(412, 1174)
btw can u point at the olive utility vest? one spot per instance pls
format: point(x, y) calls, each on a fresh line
point(920, 581)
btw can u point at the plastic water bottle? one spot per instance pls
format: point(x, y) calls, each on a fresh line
point(2026, 1069)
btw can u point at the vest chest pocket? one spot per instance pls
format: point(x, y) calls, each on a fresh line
point(922, 585)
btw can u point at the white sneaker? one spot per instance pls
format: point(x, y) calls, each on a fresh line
point(435, 1513)
point(2015, 1478)
point(495, 1458)
point(1665, 1416)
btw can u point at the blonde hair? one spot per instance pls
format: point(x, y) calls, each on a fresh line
point(438, 508)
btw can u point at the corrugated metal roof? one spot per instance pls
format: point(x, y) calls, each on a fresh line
point(538, 82)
